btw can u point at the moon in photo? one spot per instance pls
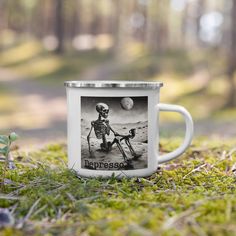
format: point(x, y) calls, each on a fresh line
point(127, 103)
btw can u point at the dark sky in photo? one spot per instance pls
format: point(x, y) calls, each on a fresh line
point(116, 114)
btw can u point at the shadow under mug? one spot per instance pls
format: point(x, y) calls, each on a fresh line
point(113, 128)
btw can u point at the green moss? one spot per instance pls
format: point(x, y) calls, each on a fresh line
point(195, 195)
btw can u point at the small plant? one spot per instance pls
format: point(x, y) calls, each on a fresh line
point(5, 148)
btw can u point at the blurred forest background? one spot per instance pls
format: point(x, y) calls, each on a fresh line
point(190, 45)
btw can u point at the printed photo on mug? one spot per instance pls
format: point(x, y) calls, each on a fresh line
point(114, 133)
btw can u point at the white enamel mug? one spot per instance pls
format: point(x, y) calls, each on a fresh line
point(113, 128)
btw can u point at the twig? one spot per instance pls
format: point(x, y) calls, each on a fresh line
point(22, 222)
point(14, 208)
point(231, 152)
point(199, 231)
point(40, 210)
point(175, 219)
point(88, 198)
point(7, 197)
point(71, 197)
point(172, 221)
point(194, 170)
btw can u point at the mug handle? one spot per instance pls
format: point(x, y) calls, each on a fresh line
point(188, 133)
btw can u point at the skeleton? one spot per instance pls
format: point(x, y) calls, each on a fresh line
point(102, 128)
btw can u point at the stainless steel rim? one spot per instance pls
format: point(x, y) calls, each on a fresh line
point(113, 84)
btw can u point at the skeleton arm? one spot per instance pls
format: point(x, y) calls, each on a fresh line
point(88, 137)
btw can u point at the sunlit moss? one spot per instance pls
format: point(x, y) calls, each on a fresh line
point(196, 190)
point(31, 61)
point(40, 67)
point(21, 52)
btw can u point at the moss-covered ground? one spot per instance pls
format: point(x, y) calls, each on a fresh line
point(194, 195)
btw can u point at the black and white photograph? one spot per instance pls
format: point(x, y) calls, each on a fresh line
point(114, 133)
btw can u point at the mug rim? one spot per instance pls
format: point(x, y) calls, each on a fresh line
point(112, 84)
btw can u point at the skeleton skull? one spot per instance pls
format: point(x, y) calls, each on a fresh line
point(102, 109)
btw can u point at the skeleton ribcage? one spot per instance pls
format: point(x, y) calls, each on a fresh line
point(101, 128)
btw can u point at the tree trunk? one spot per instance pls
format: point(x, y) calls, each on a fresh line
point(201, 8)
point(119, 22)
point(152, 25)
point(59, 25)
point(232, 59)
point(157, 26)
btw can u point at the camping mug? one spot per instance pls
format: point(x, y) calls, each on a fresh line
point(113, 128)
